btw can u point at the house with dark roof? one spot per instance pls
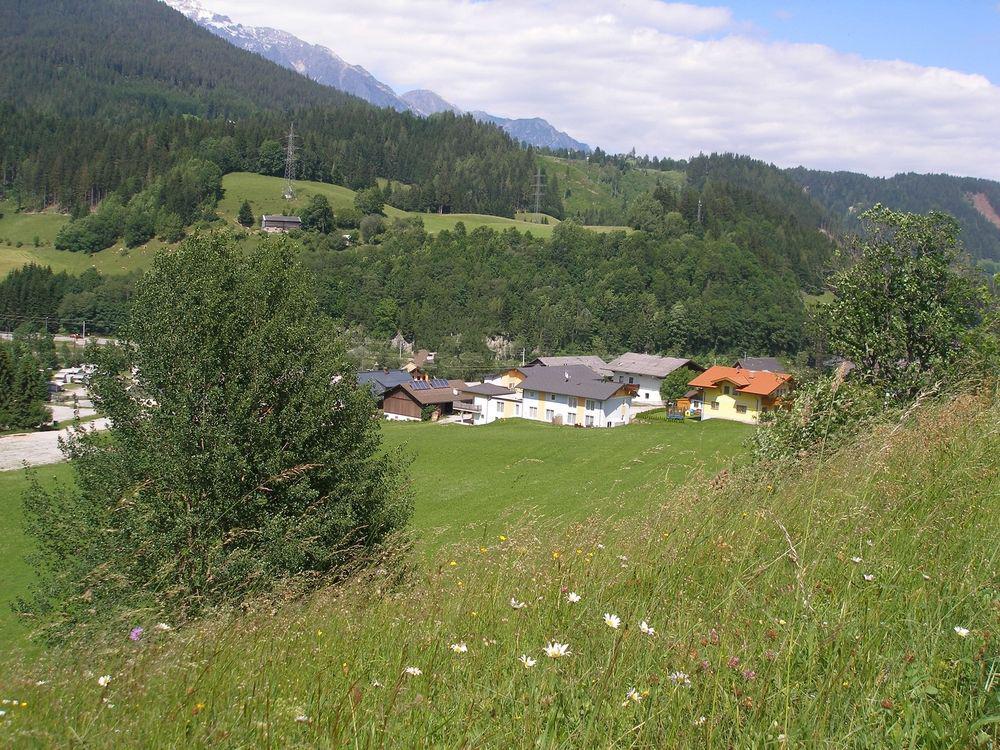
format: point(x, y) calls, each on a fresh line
point(760, 363)
point(575, 395)
point(379, 381)
point(647, 371)
point(276, 223)
point(592, 361)
point(740, 395)
point(407, 401)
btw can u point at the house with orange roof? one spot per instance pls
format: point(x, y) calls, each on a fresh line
point(740, 395)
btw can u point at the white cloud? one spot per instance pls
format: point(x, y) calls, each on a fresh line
point(669, 79)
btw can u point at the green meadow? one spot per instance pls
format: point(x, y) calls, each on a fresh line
point(468, 482)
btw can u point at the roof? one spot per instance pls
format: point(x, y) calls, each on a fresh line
point(382, 380)
point(437, 391)
point(487, 389)
point(650, 364)
point(760, 363)
point(592, 361)
point(582, 381)
point(753, 382)
point(277, 217)
point(422, 357)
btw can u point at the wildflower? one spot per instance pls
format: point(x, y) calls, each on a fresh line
point(135, 634)
point(39, 683)
point(319, 633)
point(632, 696)
point(713, 637)
point(679, 678)
point(572, 597)
point(453, 564)
point(770, 655)
point(855, 560)
point(749, 675)
point(303, 719)
point(199, 707)
point(516, 604)
point(700, 721)
point(926, 577)
point(556, 554)
point(483, 550)
point(103, 680)
point(502, 538)
point(962, 632)
point(459, 648)
point(555, 650)
point(162, 627)
point(612, 621)
point(527, 661)
point(413, 671)
point(376, 684)
point(869, 577)
point(2, 714)
point(734, 662)
point(782, 738)
point(645, 629)
point(489, 641)
point(887, 704)
point(600, 546)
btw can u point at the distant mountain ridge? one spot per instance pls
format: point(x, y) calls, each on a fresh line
point(325, 66)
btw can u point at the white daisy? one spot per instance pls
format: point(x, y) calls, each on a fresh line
point(855, 560)
point(572, 597)
point(679, 678)
point(632, 696)
point(869, 576)
point(612, 621)
point(516, 604)
point(527, 661)
point(459, 648)
point(645, 629)
point(962, 632)
point(555, 650)
point(413, 671)
point(103, 680)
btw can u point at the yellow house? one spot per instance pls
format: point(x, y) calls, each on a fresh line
point(740, 395)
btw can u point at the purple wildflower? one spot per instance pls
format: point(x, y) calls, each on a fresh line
point(135, 634)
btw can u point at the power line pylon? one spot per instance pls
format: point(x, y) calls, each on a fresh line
point(290, 164)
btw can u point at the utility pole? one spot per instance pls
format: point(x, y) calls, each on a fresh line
point(539, 188)
point(699, 210)
point(290, 164)
point(522, 357)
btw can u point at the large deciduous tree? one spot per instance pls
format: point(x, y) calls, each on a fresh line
point(240, 452)
point(902, 310)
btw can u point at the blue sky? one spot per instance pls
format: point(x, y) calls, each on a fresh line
point(963, 35)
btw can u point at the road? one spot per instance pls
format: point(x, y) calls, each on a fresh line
point(37, 448)
point(61, 339)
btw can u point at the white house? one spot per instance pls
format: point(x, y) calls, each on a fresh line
point(574, 395)
point(646, 372)
point(482, 403)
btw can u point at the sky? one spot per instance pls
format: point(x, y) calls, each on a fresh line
point(877, 87)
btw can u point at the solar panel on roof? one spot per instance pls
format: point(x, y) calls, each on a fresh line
point(439, 383)
point(421, 385)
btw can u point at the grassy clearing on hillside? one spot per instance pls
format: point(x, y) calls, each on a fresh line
point(592, 186)
point(469, 481)
point(811, 608)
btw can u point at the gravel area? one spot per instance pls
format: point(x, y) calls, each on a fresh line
point(37, 448)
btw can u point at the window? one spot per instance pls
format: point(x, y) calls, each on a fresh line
point(589, 420)
point(499, 407)
point(741, 409)
point(549, 414)
point(517, 410)
point(533, 412)
point(591, 404)
point(725, 389)
point(715, 406)
point(647, 395)
point(571, 418)
point(631, 380)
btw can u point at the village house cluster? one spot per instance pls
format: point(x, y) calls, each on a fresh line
point(580, 391)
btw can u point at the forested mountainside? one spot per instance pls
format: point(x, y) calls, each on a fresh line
point(103, 96)
point(847, 194)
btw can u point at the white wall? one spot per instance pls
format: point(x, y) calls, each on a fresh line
point(616, 410)
point(649, 386)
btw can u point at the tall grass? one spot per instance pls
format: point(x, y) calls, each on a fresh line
point(816, 606)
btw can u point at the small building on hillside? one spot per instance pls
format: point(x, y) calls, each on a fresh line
point(740, 395)
point(575, 395)
point(487, 402)
point(380, 381)
point(276, 223)
point(407, 401)
point(771, 364)
point(647, 371)
point(417, 364)
point(594, 362)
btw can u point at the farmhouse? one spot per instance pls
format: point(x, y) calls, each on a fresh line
point(740, 395)
point(415, 366)
point(487, 402)
point(647, 372)
point(407, 401)
point(575, 395)
point(380, 381)
point(275, 223)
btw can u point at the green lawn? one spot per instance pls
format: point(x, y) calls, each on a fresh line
point(472, 481)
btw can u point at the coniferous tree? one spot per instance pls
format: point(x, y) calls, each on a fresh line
point(245, 216)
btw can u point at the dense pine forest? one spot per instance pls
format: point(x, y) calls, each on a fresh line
point(104, 97)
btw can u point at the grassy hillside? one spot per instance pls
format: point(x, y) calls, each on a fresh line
point(266, 196)
point(468, 483)
point(589, 187)
point(844, 604)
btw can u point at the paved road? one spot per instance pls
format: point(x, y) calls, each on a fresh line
point(61, 339)
point(37, 448)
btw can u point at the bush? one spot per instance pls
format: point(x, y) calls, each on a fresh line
point(246, 460)
point(371, 227)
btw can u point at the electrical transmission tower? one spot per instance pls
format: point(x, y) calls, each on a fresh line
point(539, 189)
point(290, 164)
